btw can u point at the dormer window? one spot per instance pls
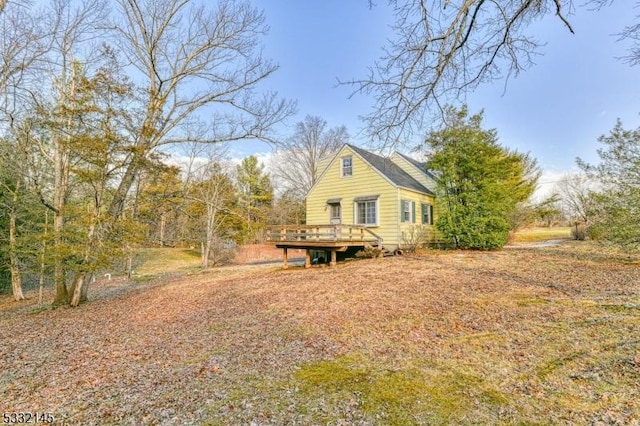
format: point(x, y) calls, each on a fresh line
point(347, 167)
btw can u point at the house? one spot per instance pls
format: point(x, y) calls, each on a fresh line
point(392, 197)
point(363, 200)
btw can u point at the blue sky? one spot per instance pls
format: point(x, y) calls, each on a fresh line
point(555, 110)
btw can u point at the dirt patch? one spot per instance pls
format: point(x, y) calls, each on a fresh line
point(539, 244)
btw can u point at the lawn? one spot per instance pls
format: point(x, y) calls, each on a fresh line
point(535, 235)
point(519, 336)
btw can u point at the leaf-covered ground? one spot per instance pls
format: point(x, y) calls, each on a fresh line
point(520, 336)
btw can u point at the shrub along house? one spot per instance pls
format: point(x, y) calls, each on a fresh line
point(362, 199)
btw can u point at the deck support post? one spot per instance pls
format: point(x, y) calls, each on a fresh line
point(333, 258)
point(307, 258)
point(285, 258)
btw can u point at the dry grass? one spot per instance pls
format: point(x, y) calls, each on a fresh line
point(535, 336)
point(158, 261)
point(534, 235)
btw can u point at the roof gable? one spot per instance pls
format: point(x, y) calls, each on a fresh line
point(385, 167)
point(390, 170)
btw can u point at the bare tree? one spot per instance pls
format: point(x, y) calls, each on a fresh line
point(210, 191)
point(630, 33)
point(194, 59)
point(24, 41)
point(214, 190)
point(296, 163)
point(576, 194)
point(11, 187)
point(444, 48)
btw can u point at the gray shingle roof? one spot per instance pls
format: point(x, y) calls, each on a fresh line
point(420, 165)
point(391, 170)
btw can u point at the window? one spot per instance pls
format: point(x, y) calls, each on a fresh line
point(336, 212)
point(347, 166)
point(367, 213)
point(366, 210)
point(407, 211)
point(427, 214)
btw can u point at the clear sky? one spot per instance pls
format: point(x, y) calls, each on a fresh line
point(555, 110)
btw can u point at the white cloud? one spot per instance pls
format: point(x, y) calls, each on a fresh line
point(548, 181)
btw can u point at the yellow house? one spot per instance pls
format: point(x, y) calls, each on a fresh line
point(391, 196)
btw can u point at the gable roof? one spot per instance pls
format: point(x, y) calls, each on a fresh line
point(422, 166)
point(391, 170)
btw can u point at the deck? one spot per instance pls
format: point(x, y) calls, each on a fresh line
point(333, 238)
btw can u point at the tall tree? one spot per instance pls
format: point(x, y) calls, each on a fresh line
point(11, 188)
point(296, 163)
point(548, 210)
point(479, 182)
point(159, 201)
point(619, 175)
point(189, 56)
point(444, 48)
point(212, 195)
point(287, 209)
point(255, 196)
point(60, 116)
point(81, 137)
point(98, 152)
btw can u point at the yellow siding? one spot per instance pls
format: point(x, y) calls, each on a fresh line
point(365, 181)
point(419, 199)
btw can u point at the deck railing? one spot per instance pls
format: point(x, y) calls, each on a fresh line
point(320, 233)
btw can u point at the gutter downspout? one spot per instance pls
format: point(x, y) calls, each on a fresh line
point(397, 211)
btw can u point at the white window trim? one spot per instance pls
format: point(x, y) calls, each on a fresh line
point(429, 210)
point(342, 168)
point(413, 213)
point(331, 209)
point(377, 212)
point(406, 204)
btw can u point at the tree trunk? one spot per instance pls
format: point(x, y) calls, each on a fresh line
point(43, 253)
point(211, 213)
point(60, 278)
point(59, 273)
point(129, 265)
point(76, 289)
point(84, 295)
point(204, 250)
point(61, 187)
point(41, 280)
point(131, 173)
point(16, 278)
point(163, 223)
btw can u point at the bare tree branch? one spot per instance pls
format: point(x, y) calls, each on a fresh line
point(442, 50)
point(191, 59)
point(296, 164)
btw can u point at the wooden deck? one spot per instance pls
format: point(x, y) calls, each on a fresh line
point(333, 238)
